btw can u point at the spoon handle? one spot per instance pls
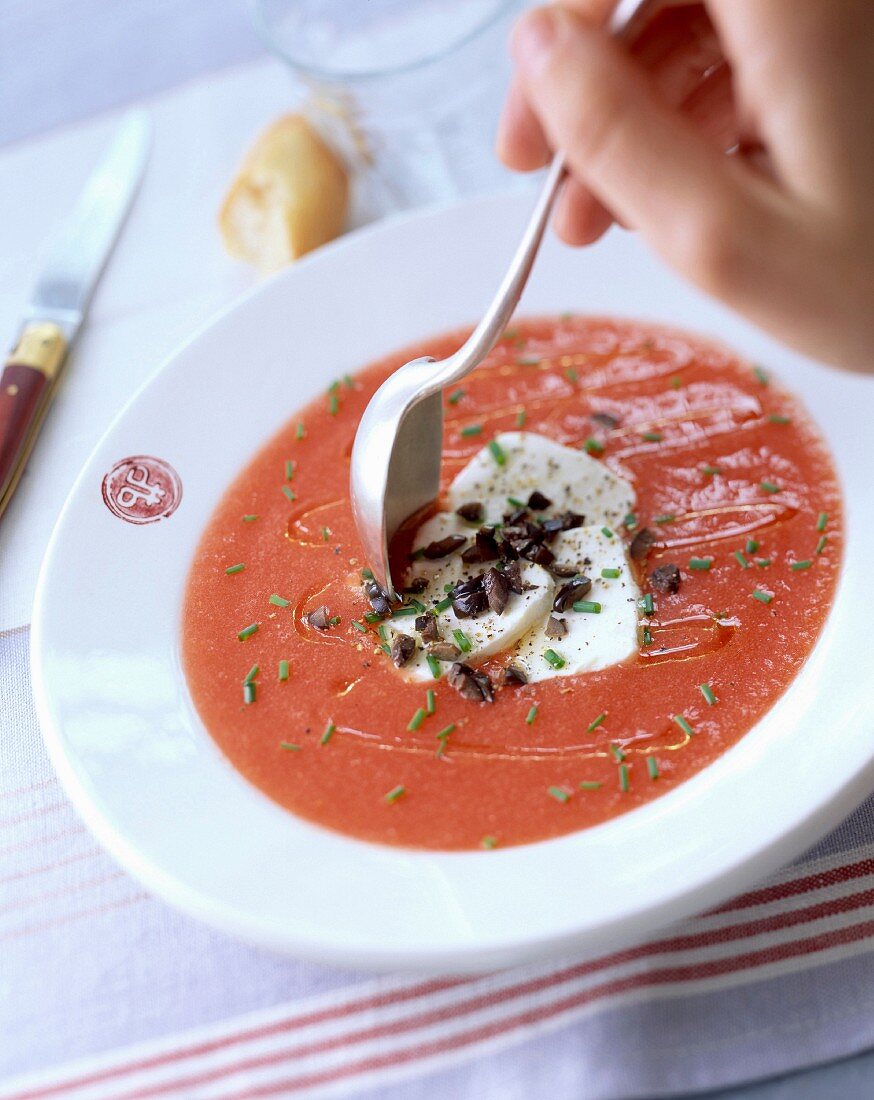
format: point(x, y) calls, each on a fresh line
point(494, 321)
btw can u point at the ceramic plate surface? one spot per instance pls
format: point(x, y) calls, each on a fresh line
point(155, 790)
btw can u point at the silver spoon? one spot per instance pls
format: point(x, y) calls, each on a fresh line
point(396, 455)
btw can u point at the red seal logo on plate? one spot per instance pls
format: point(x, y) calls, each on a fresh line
point(142, 489)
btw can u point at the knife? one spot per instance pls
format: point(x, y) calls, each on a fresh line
point(62, 294)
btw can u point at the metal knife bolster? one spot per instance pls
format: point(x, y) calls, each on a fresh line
point(25, 385)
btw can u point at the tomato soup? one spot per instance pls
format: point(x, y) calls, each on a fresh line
point(734, 488)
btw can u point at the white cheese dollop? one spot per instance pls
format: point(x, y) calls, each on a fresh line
point(572, 481)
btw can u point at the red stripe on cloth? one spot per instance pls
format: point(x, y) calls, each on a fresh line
point(794, 887)
point(668, 976)
point(30, 815)
point(63, 891)
point(29, 872)
point(69, 918)
point(317, 1016)
point(52, 781)
point(36, 841)
point(521, 989)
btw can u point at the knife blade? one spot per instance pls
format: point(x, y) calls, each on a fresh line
point(62, 294)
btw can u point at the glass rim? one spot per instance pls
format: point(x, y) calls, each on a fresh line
point(264, 32)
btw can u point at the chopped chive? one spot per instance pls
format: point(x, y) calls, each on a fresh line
point(250, 518)
point(630, 521)
point(289, 746)
point(611, 574)
point(763, 562)
point(248, 631)
point(590, 785)
point(532, 714)
point(430, 701)
point(711, 471)
point(455, 397)
point(798, 565)
point(572, 375)
point(289, 493)
point(821, 521)
point(566, 316)
point(741, 560)
point(552, 658)
point(405, 612)
point(328, 734)
point(334, 386)
point(250, 691)
point(395, 793)
point(445, 732)
point(300, 430)
point(334, 620)
point(752, 546)
point(510, 335)
point(333, 404)
point(593, 725)
point(497, 453)
point(488, 842)
point(385, 649)
point(652, 437)
point(769, 486)
point(780, 418)
point(283, 670)
point(647, 636)
point(434, 665)
point(761, 596)
point(235, 569)
point(516, 502)
point(558, 793)
point(326, 534)
point(382, 632)
point(443, 604)
point(647, 605)
point(623, 778)
point(668, 517)
point(520, 418)
point(278, 601)
point(348, 382)
point(618, 754)
point(820, 546)
point(707, 692)
point(252, 673)
point(372, 617)
point(289, 469)
point(471, 429)
point(591, 607)
point(359, 626)
point(418, 718)
point(761, 374)
point(681, 721)
point(593, 447)
point(676, 381)
point(652, 766)
point(367, 574)
point(448, 587)
point(700, 564)
point(606, 532)
point(462, 641)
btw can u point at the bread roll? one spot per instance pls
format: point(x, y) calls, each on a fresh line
point(290, 196)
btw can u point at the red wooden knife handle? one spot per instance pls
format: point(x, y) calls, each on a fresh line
point(26, 383)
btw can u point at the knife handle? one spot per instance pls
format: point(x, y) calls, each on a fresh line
point(26, 383)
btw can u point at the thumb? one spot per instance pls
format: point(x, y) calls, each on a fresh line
point(642, 160)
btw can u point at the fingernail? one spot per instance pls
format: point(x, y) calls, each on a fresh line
point(533, 39)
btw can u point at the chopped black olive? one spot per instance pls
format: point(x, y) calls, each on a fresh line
point(666, 578)
point(320, 618)
point(513, 576)
point(402, 649)
point(469, 598)
point(513, 674)
point(444, 651)
point(427, 627)
point(442, 548)
point(472, 512)
point(507, 550)
point(641, 544)
point(538, 501)
point(570, 592)
point(555, 627)
point(511, 518)
point(485, 547)
point(497, 590)
point(563, 570)
point(417, 585)
point(469, 684)
point(606, 420)
point(378, 598)
point(539, 554)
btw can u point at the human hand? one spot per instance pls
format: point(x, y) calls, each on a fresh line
point(783, 228)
